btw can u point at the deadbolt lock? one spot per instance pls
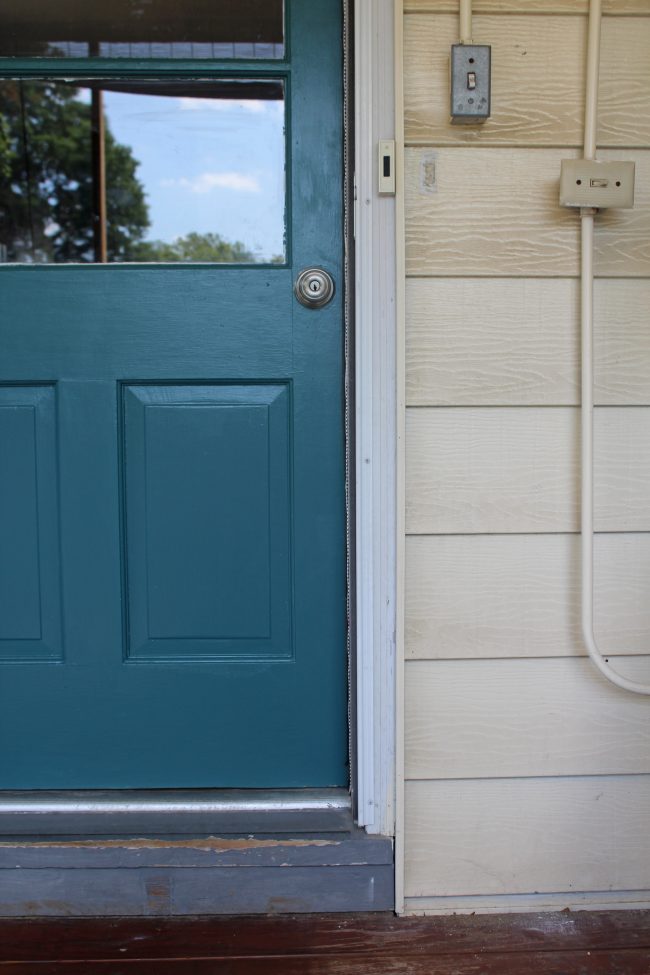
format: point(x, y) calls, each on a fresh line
point(314, 287)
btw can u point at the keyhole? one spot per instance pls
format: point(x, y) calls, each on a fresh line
point(314, 287)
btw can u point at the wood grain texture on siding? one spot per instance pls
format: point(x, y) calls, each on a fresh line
point(623, 106)
point(613, 7)
point(537, 80)
point(503, 470)
point(491, 596)
point(515, 341)
point(501, 718)
point(476, 212)
point(517, 836)
point(538, 75)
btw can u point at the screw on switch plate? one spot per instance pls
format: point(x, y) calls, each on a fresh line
point(470, 83)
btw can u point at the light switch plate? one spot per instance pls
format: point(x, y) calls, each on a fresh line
point(590, 183)
point(470, 83)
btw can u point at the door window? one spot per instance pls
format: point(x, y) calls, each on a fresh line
point(142, 29)
point(140, 171)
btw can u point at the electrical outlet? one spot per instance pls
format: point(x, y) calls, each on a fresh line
point(470, 83)
point(590, 183)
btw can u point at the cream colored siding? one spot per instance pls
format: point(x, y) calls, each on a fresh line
point(528, 775)
point(510, 469)
point(617, 7)
point(491, 596)
point(537, 61)
point(515, 718)
point(528, 835)
point(523, 347)
point(495, 212)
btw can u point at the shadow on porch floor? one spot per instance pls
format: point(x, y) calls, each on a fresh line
point(583, 943)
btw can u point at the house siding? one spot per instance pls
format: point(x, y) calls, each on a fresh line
point(527, 774)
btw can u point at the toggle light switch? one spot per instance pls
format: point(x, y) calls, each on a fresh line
point(470, 83)
point(592, 183)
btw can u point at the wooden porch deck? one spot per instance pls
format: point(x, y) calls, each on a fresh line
point(582, 943)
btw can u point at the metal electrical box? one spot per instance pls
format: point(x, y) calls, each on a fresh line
point(470, 83)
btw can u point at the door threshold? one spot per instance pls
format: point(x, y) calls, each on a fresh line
point(172, 876)
point(174, 811)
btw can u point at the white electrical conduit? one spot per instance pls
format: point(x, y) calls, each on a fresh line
point(587, 410)
point(465, 21)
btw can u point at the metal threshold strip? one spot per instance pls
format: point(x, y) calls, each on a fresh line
point(170, 812)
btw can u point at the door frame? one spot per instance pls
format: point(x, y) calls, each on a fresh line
point(378, 344)
point(372, 40)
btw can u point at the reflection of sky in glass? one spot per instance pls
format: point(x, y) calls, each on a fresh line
point(207, 165)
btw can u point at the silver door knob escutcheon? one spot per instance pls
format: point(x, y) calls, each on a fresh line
point(314, 287)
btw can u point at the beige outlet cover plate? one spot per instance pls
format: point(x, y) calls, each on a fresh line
point(589, 183)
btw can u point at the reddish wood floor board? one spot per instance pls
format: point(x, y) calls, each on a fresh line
point(630, 962)
point(581, 943)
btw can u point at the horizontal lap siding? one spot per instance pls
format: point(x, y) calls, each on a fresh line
point(494, 596)
point(496, 212)
point(529, 835)
point(617, 7)
point(537, 62)
point(527, 773)
point(501, 470)
point(509, 718)
point(515, 341)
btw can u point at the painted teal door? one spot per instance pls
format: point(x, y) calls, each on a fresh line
point(172, 524)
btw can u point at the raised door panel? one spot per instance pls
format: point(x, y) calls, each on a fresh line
point(207, 514)
point(30, 597)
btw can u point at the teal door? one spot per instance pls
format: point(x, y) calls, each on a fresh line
point(172, 524)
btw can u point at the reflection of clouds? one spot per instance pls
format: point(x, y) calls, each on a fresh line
point(210, 181)
point(252, 105)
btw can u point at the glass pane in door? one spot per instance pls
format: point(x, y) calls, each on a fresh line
point(142, 171)
point(142, 28)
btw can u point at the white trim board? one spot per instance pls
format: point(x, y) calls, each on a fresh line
point(375, 389)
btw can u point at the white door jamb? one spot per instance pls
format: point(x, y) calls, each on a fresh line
point(376, 429)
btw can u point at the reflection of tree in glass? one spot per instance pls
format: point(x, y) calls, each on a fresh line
point(46, 193)
point(46, 187)
point(196, 248)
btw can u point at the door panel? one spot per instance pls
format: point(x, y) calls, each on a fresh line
point(207, 509)
point(30, 620)
point(173, 521)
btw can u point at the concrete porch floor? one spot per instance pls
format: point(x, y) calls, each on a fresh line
point(564, 943)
